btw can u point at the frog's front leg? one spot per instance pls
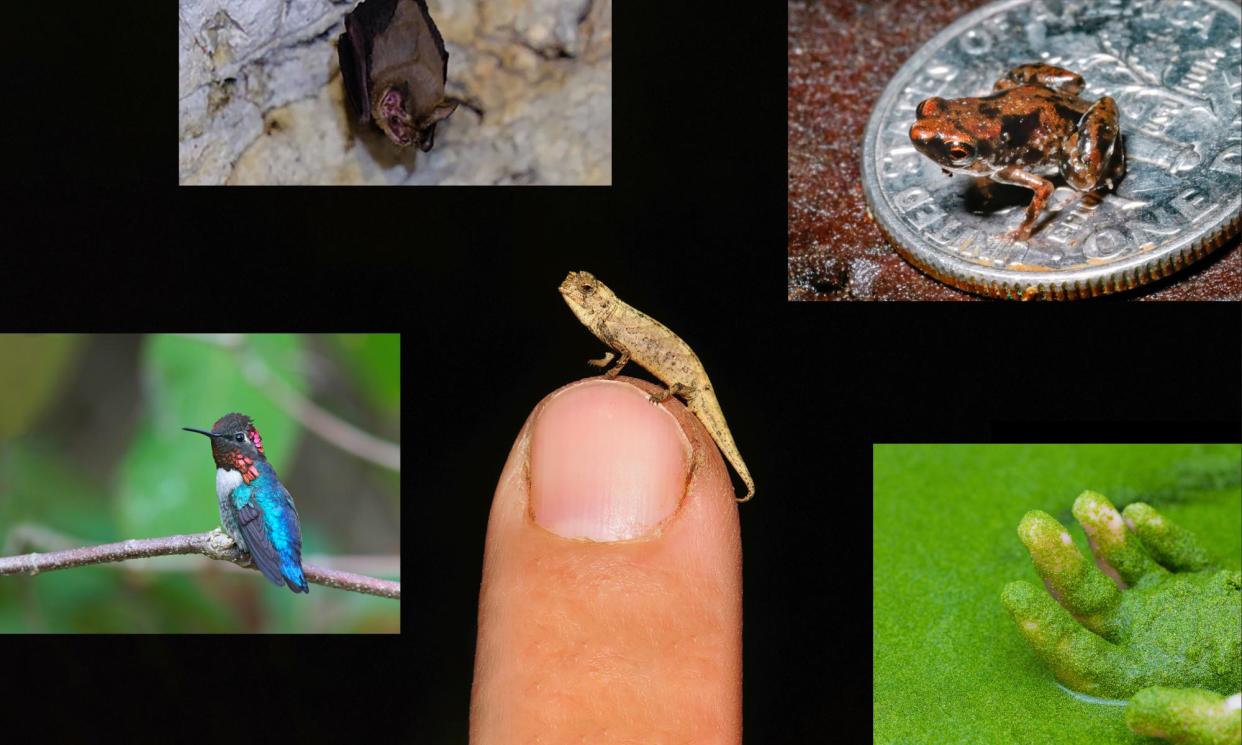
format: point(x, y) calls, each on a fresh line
point(983, 186)
point(1056, 78)
point(1042, 188)
point(1089, 151)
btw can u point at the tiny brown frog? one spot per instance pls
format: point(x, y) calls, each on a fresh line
point(1032, 125)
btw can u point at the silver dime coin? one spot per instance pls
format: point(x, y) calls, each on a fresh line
point(1175, 72)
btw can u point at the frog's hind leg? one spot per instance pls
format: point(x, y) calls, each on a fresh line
point(1116, 169)
point(1056, 78)
point(1091, 148)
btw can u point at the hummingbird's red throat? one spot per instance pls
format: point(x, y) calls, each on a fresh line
point(245, 466)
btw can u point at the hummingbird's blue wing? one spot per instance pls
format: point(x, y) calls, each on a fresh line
point(268, 523)
point(250, 520)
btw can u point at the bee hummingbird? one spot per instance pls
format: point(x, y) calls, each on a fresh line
point(255, 508)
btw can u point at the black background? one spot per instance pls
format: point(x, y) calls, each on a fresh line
point(100, 237)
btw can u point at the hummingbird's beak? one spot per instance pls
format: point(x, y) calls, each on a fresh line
point(200, 431)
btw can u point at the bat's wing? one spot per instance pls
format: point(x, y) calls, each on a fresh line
point(435, 34)
point(353, 72)
point(362, 25)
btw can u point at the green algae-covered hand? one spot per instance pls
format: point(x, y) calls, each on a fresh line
point(1186, 716)
point(1156, 612)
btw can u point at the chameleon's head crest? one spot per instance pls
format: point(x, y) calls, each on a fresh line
point(587, 297)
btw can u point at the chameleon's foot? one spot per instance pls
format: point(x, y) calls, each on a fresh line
point(676, 389)
point(602, 361)
point(625, 358)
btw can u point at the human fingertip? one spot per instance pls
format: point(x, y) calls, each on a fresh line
point(605, 464)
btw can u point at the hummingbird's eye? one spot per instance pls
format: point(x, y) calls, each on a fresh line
point(239, 437)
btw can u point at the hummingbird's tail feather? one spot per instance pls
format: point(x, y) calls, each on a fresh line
point(303, 587)
point(294, 578)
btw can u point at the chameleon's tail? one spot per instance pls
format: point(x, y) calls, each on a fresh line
point(719, 431)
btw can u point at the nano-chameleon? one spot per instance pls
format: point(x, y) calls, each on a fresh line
point(639, 337)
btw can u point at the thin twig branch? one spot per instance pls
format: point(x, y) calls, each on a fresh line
point(336, 431)
point(214, 545)
point(317, 420)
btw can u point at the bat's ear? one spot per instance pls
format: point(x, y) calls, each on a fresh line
point(428, 125)
point(441, 111)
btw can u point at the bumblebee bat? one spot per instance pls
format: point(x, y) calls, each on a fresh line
point(394, 67)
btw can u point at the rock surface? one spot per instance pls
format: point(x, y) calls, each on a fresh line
point(261, 99)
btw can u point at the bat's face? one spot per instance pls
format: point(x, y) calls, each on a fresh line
point(391, 115)
point(587, 297)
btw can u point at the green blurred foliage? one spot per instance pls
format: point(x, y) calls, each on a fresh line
point(37, 488)
point(375, 360)
point(164, 484)
point(32, 369)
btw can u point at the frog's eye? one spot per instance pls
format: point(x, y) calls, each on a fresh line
point(929, 108)
point(960, 151)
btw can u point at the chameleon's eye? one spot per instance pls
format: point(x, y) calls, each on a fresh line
point(587, 289)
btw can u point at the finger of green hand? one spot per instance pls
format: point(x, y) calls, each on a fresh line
point(1077, 584)
point(1170, 544)
point(1110, 541)
point(1079, 659)
point(1186, 716)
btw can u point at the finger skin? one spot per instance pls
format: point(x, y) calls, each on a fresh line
point(1169, 543)
point(1110, 541)
point(1078, 658)
point(611, 642)
point(1080, 587)
point(1186, 716)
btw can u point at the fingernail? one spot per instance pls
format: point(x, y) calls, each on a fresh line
point(605, 463)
